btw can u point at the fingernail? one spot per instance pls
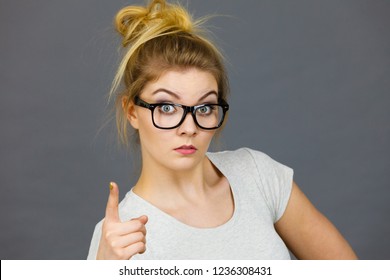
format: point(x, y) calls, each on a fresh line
point(111, 186)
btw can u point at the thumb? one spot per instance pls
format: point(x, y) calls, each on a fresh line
point(112, 213)
point(143, 219)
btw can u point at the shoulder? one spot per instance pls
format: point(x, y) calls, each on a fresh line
point(241, 153)
point(257, 171)
point(243, 156)
point(252, 163)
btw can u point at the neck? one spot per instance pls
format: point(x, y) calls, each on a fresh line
point(158, 184)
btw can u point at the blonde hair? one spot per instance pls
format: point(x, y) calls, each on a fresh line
point(157, 38)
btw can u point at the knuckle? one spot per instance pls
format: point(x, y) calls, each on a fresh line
point(142, 248)
point(137, 224)
point(138, 236)
point(120, 254)
point(113, 244)
point(137, 248)
point(107, 235)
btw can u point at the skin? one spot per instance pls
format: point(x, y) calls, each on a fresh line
point(120, 240)
point(191, 189)
point(308, 233)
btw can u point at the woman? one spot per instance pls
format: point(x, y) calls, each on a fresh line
point(188, 203)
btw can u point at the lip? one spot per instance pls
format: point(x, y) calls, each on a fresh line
point(186, 149)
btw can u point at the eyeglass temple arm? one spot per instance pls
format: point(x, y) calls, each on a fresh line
point(140, 102)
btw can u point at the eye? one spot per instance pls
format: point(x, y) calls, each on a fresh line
point(167, 109)
point(205, 110)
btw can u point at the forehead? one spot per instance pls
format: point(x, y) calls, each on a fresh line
point(185, 83)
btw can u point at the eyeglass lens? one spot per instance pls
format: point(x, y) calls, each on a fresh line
point(170, 115)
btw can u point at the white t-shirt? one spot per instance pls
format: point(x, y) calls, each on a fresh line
point(261, 189)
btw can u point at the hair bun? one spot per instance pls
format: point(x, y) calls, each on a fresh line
point(158, 17)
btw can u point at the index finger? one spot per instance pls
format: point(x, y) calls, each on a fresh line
point(112, 213)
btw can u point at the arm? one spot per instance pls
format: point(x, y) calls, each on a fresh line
point(308, 233)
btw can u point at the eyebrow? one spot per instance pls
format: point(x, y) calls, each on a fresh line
point(178, 97)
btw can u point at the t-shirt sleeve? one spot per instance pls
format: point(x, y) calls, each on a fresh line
point(95, 242)
point(274, 181)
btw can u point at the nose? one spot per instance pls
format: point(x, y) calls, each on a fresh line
point(188, 126)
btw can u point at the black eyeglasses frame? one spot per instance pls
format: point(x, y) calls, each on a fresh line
point(187, 109)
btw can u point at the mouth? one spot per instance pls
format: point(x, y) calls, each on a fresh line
point(186, 150)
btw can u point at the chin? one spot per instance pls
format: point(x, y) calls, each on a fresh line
point(185, 163)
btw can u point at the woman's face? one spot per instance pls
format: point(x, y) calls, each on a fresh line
point(184, 147)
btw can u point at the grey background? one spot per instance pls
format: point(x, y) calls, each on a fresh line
point(310, 87)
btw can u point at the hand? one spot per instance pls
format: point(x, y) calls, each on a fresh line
point(120, 240)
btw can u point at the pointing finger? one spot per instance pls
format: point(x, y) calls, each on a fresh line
point(112, 213)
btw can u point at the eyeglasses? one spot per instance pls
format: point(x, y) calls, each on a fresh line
point(170, 115)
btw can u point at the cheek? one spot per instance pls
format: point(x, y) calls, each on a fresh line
point(144, 121)
point(151, 135)
point(208, 137)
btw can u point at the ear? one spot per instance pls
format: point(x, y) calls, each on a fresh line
point(130, 111)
